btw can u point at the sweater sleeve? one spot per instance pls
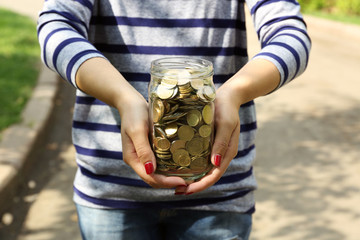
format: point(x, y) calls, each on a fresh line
point(63, 36)
point(283, 36)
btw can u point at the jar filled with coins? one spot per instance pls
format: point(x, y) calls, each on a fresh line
point(181, 105)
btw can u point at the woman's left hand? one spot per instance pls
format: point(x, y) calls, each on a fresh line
point(227, 131)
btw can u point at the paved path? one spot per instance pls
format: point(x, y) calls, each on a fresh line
point(308, 166)
point(307, 163)
point(28, 8)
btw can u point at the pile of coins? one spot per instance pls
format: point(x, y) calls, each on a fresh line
point(181, 109)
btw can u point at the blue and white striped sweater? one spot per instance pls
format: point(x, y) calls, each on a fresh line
point(130, 34)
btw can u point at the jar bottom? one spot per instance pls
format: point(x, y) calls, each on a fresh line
point(186, 175)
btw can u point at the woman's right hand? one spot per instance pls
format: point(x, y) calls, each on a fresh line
point(137, 152)
point(98, 78)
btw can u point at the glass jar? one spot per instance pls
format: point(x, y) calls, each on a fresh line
point(181, 105)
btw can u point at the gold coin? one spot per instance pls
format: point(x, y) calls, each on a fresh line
point(207, 114)
point(184, 95)
point(156, 115)
point(193, 118)
point(188, 101)
point(195, 146)
point(206, 142)
point(175, 93)
point(158, 110)
point(154, 141)
point(167, 106)
point(169, 82)
point(176, 115)
point(186, 133)
point(171, 130)
point(186, 88)
point(162, 168)
point(165, 162)
point(208, 81)
point(178, 154)
point(169, 121)
point(209, 93)
point(163, 144)
point(163, 156)
point(184, 161)
point(163, 92)
point(158, 103)
point(183, 76)
point(205, 154)
point(194, 97)
point(200, 95)
point(183, 81)
point(197, 83)
point(160, 132)
point(173, 109)
point(177, 144)
point(186, 107)
point(199, 163)
point(162, 152)
point(205, 131)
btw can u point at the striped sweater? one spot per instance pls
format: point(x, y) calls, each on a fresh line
point(130, 34)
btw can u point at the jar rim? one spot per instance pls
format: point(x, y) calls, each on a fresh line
point(203, 67)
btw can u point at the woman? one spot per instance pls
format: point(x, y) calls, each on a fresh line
point(104, 49)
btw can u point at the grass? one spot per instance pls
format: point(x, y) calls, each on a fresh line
point(347, 11)
point(340, 17)
point(19, 65)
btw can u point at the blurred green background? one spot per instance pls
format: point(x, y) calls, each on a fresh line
point(19, 64)
point(335, 6)
point(341, 10)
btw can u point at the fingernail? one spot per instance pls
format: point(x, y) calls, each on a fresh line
point(149, 168)
point(189, 193)
point(217, 160)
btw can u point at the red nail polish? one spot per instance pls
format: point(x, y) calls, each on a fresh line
point(217, 160)
point(149, 168)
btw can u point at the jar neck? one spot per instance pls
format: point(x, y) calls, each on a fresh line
point(189, 67)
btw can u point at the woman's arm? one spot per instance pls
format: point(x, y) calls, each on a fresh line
point(98, 78)
point(62, 31)
point(247, 84)
point(284, 56)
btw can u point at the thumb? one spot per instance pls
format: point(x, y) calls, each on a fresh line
point(221, 144)
point(144, 151)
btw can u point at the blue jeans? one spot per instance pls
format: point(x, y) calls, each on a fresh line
point(143, 224)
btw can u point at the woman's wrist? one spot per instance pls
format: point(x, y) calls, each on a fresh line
point(129, 100)
point(98, 78)
point(257, 78)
